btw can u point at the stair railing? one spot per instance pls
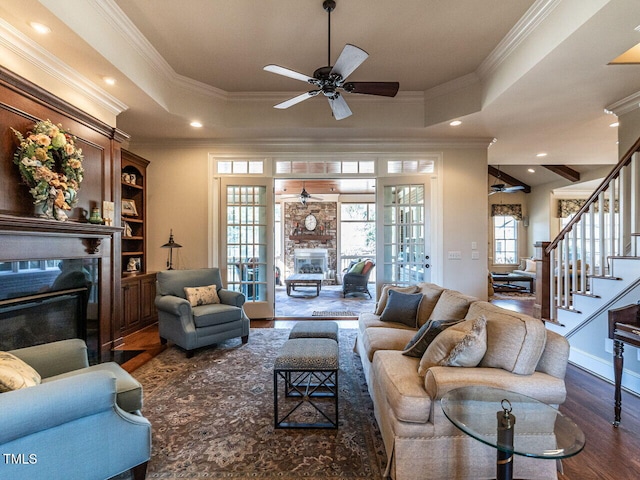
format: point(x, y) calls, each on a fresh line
point(584, 247)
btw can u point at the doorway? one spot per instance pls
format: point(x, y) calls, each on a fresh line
point(322, 226)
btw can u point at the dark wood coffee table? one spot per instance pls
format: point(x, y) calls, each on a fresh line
point(504, 282)
point(303, 279)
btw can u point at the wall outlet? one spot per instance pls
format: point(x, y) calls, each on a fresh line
point(455, 256)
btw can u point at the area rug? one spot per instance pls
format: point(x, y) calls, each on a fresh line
point(338, 313)
point(212, 417)
point(512, 295)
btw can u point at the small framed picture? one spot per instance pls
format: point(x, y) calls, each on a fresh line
point(129, 207)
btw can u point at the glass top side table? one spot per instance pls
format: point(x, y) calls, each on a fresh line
point(512, 423)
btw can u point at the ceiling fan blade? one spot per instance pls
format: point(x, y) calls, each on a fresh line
point(298, 99)
point(385, 89)
point(350, 59)
point(287, 72)
point(339, 107)
point(513, 189)
point(494, 192)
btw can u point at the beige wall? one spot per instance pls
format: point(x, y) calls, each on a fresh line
point(178, 193)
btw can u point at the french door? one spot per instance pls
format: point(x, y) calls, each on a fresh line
point(403, 231)
point(246, 208)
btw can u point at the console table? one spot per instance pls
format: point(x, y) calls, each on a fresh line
point(624, 327)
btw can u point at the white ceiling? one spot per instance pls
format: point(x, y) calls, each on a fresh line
point(531, 74)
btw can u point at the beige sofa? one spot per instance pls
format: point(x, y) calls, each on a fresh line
point(421, 443)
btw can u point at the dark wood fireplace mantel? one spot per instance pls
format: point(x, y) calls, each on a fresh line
point(26, 237)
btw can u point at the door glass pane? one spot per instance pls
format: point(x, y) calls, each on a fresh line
point(404, 234)
point(247, 241)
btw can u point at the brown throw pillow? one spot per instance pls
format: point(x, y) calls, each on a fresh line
point(423, 338)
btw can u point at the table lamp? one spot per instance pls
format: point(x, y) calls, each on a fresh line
point(171, 245)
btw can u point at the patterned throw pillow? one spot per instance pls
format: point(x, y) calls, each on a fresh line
point(402, 308)
point(462, 345)
point(427, 333)
point(202, 295)
point(15, 374)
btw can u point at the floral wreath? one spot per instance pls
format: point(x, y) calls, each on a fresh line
point(51, 165)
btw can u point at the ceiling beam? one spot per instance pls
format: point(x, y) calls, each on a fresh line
point(564, 171)
point(508, 179)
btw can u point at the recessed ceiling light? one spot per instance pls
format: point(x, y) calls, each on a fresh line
point(614, 124)
point(196, 124)
point(40, 27)
point(542, 154)
point(531, 170)
point(455, 123)
point(109, 80)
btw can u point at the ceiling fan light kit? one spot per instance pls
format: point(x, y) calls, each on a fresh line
point(331, 80)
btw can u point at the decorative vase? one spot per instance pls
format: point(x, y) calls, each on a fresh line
point(48, 210)
point(95, 217)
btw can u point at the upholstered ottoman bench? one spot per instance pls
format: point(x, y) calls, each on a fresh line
point(308, 370)
point(315, 329)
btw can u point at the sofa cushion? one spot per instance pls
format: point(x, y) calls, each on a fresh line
point(423, 338)
point(215, 314)
point(374, 339)
point(402, 308)
point(384, 295)
point(431, 293)
point(201, 295)
point(16, 374)
point(515, 341)
point(371, 320)
point(451, 305)
point(462, 345)
point(395, 375)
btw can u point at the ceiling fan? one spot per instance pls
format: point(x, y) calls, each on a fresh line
point(330, 80)
point(502, 188)
point(304, 196)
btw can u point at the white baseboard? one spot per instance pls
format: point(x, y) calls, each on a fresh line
point(604, 369)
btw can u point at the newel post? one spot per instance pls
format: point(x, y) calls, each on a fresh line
point(542, 304)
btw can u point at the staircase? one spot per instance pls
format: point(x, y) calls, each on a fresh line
point(592, 266)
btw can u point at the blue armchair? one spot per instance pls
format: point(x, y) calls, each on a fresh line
point(193, 327)
point(70, 426)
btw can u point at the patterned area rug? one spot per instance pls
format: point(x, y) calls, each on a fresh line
point(338, 313)
point(212, 417)
point(512, 295)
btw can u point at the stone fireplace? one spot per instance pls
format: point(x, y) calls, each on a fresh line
point(317, 247)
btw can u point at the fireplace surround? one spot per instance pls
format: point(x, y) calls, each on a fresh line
point(24, 237)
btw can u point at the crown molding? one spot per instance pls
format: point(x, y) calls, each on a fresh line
point(540, 10)
point(363, 146)
point(18, 43)
point(625, 105)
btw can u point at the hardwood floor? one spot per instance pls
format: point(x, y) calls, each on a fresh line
point(610, 453)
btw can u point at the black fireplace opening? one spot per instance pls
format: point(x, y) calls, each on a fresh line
point(43, 301)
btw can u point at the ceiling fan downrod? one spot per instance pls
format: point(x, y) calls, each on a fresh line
point(329, 6)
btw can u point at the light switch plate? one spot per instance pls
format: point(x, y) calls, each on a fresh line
point(455, 255)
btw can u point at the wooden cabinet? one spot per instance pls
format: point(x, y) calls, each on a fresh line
point(138, 284)
point(138, 296)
